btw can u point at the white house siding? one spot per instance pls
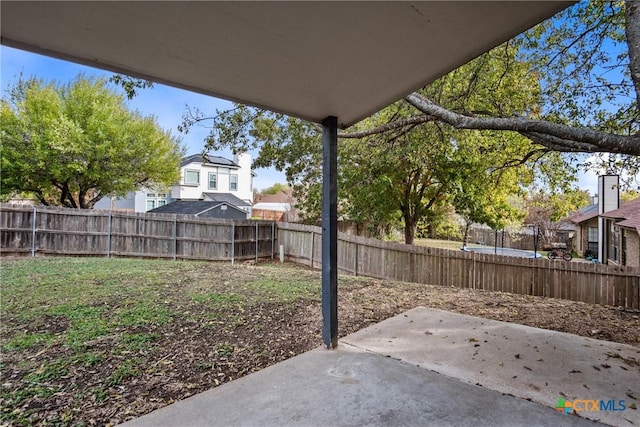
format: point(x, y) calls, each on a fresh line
point(244, 190)
point(245, 177)
point(137, 201)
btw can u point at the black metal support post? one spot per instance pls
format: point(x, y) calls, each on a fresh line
point(330, 232)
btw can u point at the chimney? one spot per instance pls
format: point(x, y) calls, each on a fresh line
point(608, 200)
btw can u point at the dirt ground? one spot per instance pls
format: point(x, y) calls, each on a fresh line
point(189, 356)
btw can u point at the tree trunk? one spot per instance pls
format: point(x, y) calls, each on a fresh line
point(465, 238)
point(409, 228)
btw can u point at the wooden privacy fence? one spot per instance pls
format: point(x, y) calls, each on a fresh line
point(577, 281)
point(29, 230)
point(56, 231)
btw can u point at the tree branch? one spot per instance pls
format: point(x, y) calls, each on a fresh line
point(632, 15)
point(552, 135)
point(397, 124)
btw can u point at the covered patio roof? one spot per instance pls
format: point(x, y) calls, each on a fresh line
point(306, 59)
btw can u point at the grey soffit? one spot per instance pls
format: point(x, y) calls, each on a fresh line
point(305, 59)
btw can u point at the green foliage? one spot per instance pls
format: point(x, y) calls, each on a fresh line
point(130, 84)
point(74, 144)
point(275, 189)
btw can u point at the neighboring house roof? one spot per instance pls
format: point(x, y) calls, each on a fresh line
point(626, 210)
point(225, 198)
point(631, 223)
point(280, 197)
point(279, 207)
point(190, 207)
point(208, 160)
point(584, 214)
point(628, 213)
point(565, 226)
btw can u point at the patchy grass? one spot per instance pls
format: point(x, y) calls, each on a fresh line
point(89, 341)
point(83, 328)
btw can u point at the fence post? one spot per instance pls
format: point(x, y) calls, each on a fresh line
point(233, 242)
point(473, 271)
point(33, 233)
point(256, 242)
point(312, 246)
point(175, 237)
point(355, 267)
point(273, 238)
point(109, 236)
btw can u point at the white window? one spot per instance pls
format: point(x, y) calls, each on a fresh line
point(213, 181)
point(191, 177)
point(233, 182)
point(155, 200)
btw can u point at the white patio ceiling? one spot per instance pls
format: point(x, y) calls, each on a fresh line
point(306, 59)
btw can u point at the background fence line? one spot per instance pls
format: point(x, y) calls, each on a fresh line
point(72, 232)
point(577, 281)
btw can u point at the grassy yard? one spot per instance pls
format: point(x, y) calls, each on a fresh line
point(106, 322)
point(88, 341)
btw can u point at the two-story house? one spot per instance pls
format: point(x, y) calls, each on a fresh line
point(209, 186)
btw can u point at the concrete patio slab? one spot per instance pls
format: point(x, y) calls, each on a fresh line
point(529, 363)
point(421, 368)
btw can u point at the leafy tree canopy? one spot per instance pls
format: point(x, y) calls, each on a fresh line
point(73, 144)
point(275, 188)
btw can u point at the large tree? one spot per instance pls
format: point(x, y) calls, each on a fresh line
point(73, 144)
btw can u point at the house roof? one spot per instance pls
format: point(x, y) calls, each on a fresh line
point(226, 198)
point(584, 214)
point(280, 197)
point(627, 210)
point(190, 207)
point(310, 60)
point(628, 213)
point(208, 159)
point(631, 223)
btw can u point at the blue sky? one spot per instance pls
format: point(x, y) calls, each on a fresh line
point(166, 103)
